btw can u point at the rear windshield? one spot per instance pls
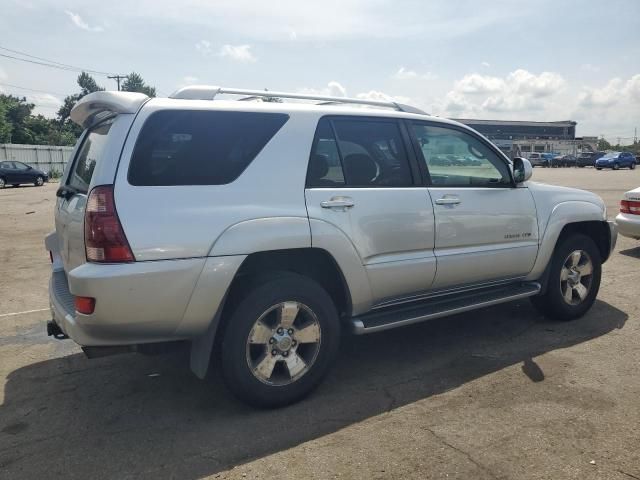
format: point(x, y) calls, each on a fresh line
point(88, 155)
point(177, 147)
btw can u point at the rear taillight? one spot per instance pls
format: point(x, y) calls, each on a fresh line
point(104, 238)
point(630, 206)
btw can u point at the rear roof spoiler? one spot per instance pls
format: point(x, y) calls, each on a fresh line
point(98, 104)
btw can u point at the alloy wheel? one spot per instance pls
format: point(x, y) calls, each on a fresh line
point(283, 343)
point(576, 277)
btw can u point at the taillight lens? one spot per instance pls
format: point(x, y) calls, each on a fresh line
point(630, 206)
point(104, 238)
point(85, 305)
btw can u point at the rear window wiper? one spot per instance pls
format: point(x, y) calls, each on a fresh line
point(66, 192)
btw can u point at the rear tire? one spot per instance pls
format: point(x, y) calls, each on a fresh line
point(574, 279)
point(2, 183)
point(632, 166)
point(280, 341)
point(598, 168)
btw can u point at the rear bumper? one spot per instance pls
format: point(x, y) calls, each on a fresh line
point(629, 225)
point(142, 302)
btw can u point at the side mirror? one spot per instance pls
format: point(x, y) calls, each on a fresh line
point(29, 167)
point(522, 169)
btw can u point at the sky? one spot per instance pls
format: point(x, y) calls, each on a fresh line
point(543, 60)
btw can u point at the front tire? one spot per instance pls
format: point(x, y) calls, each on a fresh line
point(632, 166)
point(616, 166)
point(280, 341)
point(39, 181)
point(574, 279)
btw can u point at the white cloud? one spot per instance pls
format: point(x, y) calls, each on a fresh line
point(45, 104)
point(80, 23)
point(336, 89)
point(407, 74)
point(239, 53)
point(381, 96)
point(485, 64)
point(204, 47)
point(520, 91)
point(616, 91)
point(475, 83)
point(614, 107)
point(333, 89)
point(190, 80)
point(3, 74)
point(543, 85)
point(293, 35)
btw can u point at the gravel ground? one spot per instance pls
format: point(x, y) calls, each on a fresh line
point(497, 393)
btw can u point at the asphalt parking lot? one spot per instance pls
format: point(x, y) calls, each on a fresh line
point(498, 393)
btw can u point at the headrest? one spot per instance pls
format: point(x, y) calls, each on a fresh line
point(360, 169)
point(318, 167)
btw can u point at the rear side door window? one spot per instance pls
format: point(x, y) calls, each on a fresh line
point(354, 152)
point(455, 158)
point(199, 147)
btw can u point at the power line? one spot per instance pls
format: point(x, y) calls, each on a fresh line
point(37, 58)
point(50, 64)
point(31, 89)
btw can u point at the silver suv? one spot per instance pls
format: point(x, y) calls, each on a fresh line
point(258, 230)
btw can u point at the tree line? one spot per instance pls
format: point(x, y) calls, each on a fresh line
point(18, 124)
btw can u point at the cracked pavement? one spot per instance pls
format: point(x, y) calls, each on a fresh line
point(498, 393)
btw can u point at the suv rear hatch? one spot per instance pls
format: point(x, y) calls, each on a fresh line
point(108, 116)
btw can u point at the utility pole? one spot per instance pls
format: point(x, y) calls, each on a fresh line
point(117, 78)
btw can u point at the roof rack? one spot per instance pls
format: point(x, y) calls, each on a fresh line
point(208, 92)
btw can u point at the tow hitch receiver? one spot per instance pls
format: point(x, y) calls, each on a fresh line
point(53, 330)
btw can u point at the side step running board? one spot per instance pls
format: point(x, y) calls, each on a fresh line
point(440, 307)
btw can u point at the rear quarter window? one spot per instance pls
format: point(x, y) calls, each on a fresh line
point(87, 157)
point(181, 147)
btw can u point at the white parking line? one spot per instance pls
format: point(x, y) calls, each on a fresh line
point(21, 313)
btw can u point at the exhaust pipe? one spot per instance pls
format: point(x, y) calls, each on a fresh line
point(53, 330)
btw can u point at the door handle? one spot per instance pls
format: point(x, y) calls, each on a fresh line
point(448, 201)
point(338, 202)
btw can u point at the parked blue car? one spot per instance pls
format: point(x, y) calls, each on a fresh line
point(616, 160)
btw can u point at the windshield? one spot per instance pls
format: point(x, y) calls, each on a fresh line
point(611, 155)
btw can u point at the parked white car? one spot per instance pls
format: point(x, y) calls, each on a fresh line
point(263, 228)
point(628, 219)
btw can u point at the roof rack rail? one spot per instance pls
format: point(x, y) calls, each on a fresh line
point(208, 92)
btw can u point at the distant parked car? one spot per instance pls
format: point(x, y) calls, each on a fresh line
point(588, 159)
point(616, 160)
point(16, 173)
point(628, 219)
point(564, 161)
point(537, 160)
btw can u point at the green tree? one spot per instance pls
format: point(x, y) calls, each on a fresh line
point(603, 144)
point(87, 85)
point(5, 125)
point(135, 83)
point(15, 111)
